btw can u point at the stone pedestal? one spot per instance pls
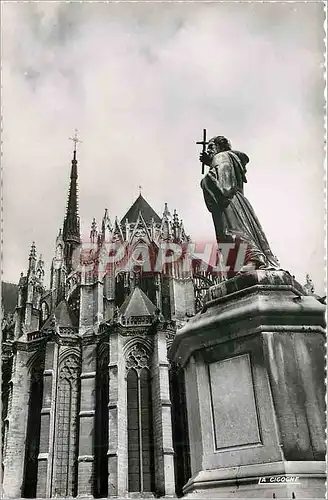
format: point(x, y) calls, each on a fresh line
point(254, 370)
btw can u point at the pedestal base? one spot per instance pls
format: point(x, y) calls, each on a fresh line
point(254, 369)
point(280, 480)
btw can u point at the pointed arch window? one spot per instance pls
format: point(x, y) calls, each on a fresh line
point(148, 285)
point(139, 408)
point(122, 288)
point(67, 428)
point(101, 434)
point(179, 427)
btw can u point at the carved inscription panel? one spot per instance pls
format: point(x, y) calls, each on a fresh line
point(234, 412)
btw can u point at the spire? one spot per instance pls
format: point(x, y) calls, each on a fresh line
point(71, 229)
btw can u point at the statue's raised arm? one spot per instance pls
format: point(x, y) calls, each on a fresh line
point(233, 216)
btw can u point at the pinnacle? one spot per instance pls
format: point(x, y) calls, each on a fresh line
point(94, 229)
point(33, 251)
point(166, 211)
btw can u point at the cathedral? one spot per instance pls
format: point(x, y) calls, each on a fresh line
point(92, 406)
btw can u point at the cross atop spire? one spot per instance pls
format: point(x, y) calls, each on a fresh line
point(75, 139)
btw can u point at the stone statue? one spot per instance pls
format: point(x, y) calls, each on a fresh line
point(233, 216)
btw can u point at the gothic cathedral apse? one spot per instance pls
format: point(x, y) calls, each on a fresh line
point(91, 403)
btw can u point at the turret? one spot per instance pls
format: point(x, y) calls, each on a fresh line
point(30, 289)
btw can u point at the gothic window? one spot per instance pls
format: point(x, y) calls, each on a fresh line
point(139, 408)
point(66, 428)
point(101, 434)
point(179, 427)
point(33, 434)
point(148, 286)
point(121, 289)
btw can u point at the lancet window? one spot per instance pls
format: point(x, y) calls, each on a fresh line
point(139, 408)
point(101, 428)
point(66, 428)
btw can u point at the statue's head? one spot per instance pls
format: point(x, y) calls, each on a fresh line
point(218, 144)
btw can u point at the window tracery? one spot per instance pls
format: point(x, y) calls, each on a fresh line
point(67, 413)
point(139, 406)
point(137, 358)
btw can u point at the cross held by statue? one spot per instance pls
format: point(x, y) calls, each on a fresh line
point(204, 144)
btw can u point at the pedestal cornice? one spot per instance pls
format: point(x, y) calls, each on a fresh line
point(265, 300)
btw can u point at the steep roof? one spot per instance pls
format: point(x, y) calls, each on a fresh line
point(137, 304)
point(64, 316)
point(141, 205)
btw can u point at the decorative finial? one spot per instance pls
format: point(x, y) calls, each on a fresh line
point(75, 139)
point(140, 189)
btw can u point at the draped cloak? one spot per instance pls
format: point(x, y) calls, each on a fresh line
point(233, 216)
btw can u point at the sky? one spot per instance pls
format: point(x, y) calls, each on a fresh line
point(140, 81)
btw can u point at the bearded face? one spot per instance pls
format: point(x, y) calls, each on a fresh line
point(212, 148)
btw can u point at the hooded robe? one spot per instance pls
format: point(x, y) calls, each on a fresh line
point(233, 216)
